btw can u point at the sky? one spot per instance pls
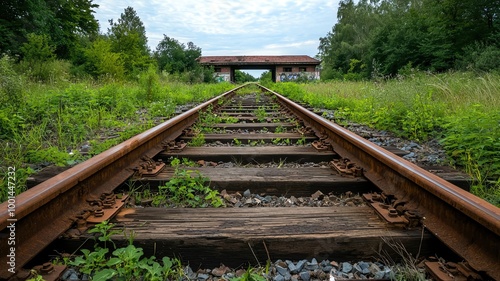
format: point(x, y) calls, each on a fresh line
point(237, 27)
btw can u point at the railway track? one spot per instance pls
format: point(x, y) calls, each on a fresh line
point(242, 134)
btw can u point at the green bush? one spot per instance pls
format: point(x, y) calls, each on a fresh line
point(11, 84)
point(150, 87)
point(102, 63)
point(480, 57)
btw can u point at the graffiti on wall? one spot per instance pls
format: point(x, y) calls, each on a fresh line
point(222, 77)
point(298, 76)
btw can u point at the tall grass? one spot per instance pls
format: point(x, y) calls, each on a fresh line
point(462, 110)
point(51, 121)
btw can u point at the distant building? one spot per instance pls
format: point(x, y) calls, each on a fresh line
point(282, 68)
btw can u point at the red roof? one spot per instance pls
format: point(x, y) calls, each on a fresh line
point(254, 60)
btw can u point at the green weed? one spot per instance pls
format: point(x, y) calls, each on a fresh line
point(188, 189)
point(261, 113)
point(237, 142)
point(104, 229)
point(198, 140)
point(280, 129)
point(301, 141)
point(251, 274)
point(125, 263)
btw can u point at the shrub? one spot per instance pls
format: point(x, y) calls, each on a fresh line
point(11, 90)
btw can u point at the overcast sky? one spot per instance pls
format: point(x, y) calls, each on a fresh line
point(237, 27)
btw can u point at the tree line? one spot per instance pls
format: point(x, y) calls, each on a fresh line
point(381, 38)
point(55, 37)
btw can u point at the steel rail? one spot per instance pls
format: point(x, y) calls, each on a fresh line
point(467, 224)
point(47, 210)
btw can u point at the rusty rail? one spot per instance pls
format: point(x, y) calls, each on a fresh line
point(469, 225)
point(45, 211)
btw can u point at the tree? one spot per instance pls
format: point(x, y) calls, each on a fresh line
point(350, 39)
point(266, 77)
point(37, 49)
point(69, 20)
point(173, 56)
point(12, 31)
point(242, 77)
point(63, 20)
point(387, 35)
point(37, 54)
point(128, 37)
point(101, 61)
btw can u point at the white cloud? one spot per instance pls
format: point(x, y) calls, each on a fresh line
point(291, 45)
point(232, 27)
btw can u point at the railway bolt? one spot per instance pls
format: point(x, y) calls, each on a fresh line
point(98, 212)
point(47, 268)
point(393, 213)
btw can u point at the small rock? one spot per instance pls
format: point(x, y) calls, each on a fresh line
point(327, 268)
point(219, 271)
point(335, 264)
point(323, 275)
point(291, 267)
point(357, 268)
point(388, 273)
point(189, 272)
point(379, 275)
point(281, 270)
point(300, 265)
point(247, 193)
point(73, 277)
point(203, 276)
point(85, 148)
point(318, 195)
point(67, 273)
point(409, 155)
point(346, 267)
point(305, 275)
point(312, 265)
point(374, 268)
point(240, 272)
point(279, 277)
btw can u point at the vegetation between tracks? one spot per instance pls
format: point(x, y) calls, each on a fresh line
point(186, 188)
point(458, 109)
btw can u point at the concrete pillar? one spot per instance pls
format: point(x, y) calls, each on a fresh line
point(231, 76)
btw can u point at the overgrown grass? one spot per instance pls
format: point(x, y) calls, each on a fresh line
point(49, 123)
point(459, 109)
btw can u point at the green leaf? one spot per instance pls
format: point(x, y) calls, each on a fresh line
point(113, 261)
point(104, 274)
